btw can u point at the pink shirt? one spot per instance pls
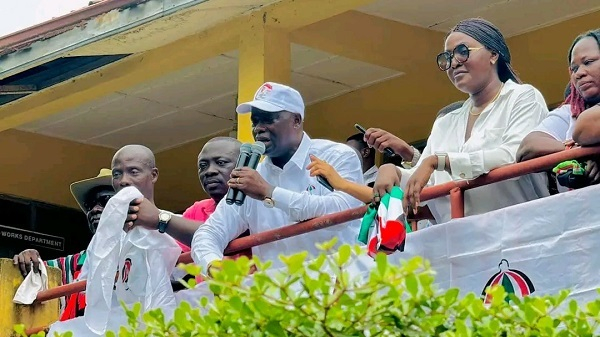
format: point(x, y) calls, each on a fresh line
point(199, 211)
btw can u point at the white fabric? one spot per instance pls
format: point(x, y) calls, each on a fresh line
point(370, 175)
point(143, 258)
point(559, 124)
point(554, 241)
point(297, 197)
point(32, 285)
point(495, 138)
point(275, 97)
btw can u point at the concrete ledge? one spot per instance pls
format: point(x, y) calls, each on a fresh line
point(36, 315)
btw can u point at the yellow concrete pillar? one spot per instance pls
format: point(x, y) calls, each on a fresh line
point(264, 55)
point(32, 316)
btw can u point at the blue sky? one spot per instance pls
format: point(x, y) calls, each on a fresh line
point(19, 14)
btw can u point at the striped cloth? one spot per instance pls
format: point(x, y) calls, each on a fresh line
point(70, 266)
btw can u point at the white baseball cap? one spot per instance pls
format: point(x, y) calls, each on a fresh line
point(274, 97)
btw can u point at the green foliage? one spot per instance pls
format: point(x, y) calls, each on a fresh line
point(318, 298)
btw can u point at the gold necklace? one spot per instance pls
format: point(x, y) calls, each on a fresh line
point(492, 101)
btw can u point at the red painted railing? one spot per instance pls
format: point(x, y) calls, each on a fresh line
point(454, 189)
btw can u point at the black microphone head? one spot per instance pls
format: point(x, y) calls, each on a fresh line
point(247, 148)
point(258, 147)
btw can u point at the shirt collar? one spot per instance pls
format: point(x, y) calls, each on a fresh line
point(300, 156)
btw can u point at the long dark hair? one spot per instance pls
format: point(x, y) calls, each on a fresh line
point(575, 100)
point(490, 36)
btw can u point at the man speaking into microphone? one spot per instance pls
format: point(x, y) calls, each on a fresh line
point(280, 191)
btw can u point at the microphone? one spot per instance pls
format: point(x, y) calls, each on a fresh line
point(245, 151)
point(258, 149)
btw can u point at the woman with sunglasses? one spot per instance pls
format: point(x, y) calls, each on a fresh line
point(481, 135)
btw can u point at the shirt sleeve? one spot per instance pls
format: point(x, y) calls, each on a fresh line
point(212, 237)
point(303, 206)
point(529, 108)
point(556, 124)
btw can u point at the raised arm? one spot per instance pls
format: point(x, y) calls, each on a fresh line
point(144, 213)
point(319, 167)
point(303, 206)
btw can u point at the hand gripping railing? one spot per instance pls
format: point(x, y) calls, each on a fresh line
point(454, 189)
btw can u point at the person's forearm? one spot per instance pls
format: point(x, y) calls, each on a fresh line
point(534, 146)
point(404, 150)
point(587, 127)
point(182, 229)
point(360, 192)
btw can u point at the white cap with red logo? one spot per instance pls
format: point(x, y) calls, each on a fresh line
point(274, 97)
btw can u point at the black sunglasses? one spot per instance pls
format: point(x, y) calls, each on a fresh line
point(460, 53)
point(100, 200)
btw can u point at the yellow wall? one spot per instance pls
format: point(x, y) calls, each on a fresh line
point(406, 106)
point(42, 168)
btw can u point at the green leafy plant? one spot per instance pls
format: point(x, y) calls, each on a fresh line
point(319, 298)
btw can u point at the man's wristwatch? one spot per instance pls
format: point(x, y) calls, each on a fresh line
point(441, 157)
point(163, 220)
point(415, 158)
point(268, 200)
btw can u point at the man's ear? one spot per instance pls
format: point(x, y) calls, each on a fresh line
point(297, 121)
point(366, 152)
point(154, 175)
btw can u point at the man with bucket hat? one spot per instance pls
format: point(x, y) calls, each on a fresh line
point(91, 195)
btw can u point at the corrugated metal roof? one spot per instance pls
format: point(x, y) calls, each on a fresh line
point(49, 74)
point(24, 38)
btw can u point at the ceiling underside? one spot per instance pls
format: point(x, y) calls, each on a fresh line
point(200, 100)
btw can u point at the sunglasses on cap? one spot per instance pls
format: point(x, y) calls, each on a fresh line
point(460, 53)
point(100, 200)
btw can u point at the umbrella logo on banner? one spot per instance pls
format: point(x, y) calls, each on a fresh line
point(125, 272)
point(513, 281)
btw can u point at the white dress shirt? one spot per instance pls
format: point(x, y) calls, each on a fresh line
point(559, 124)
point(297, 197)
point(370, 175)
point(495, 138)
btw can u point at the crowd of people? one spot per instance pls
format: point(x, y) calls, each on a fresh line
point(503, 121)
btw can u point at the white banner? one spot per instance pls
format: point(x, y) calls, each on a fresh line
point(536, 248)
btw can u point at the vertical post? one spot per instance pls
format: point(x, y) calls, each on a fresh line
point(264, 56)
point(457, 203)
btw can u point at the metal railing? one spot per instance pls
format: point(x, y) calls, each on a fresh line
point(454, 189)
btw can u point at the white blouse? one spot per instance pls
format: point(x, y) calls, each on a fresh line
point(559, 124)
point(495, 138)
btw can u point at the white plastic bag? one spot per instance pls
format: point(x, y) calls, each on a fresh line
point(146, 262)
point(137, 264)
